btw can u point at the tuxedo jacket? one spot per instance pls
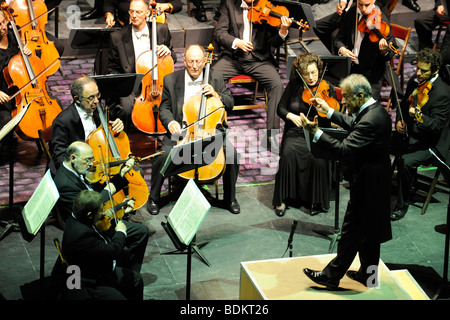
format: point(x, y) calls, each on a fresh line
point(66, 128)
point(172, 99)
point(121, 56)
point(372, 63)
point(231, 26)
point(436, 113)
point(365, 155)
point(84, 247)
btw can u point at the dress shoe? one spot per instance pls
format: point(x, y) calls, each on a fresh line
point(234, 207)
point(399, 213)
point(411, 4)
point(152, 208)
point(280, 210)
point(200, 14)
point(93, 14)
point(320, 278)
point(357, 276)
point(316, 209)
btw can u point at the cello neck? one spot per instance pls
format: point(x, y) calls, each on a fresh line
point(202, 110)
point(154, 43)
point(32, 14)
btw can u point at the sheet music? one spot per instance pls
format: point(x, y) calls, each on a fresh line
point(40, 204)
point(13, 122)
point(188, 213)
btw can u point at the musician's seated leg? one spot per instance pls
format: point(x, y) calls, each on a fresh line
point(230, 177)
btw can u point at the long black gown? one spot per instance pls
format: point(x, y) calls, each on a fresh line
point(301, 179)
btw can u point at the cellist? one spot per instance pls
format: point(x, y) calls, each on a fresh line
point(178, 88)
point(128, 43)
point(8, 49)
point(426, 114)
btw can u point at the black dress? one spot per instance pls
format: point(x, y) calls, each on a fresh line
point(301, 179)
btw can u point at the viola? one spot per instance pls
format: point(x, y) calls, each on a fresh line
point(108, 148)
point(111, 211)
point(31, 16)
point(264, 11)
point(145, 114)
point(21, 72)
point(205, 115)
point(376, 28)
point(419, 98)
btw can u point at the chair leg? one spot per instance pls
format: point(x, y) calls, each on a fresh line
point(430, 192)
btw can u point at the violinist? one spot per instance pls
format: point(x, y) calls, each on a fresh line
point(427, 21)
point(71, 179)
point(97, 256)
point(128, 43)
point(424, 119)
point(78, 120)
point(8, 49)
point(368, 57)
point(301, 178)
point(116, 11)
point(179, 87)
point(248, 49)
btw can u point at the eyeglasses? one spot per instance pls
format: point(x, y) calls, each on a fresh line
point(192, 62)
point(86, 160)
point(137, 12)
point(92, 98)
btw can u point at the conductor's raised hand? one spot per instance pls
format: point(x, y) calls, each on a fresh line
point(311, 126)
point(320, 105)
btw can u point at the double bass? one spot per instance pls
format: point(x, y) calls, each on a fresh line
point(109, 148)
point(145, 114)
point(21, 72)
point(31, 17)
point(205, 116)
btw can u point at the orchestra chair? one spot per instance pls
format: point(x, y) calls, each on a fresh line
point(244, 80)
point(392, 5)
point(443, 25)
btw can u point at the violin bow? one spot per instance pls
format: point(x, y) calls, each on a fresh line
point(106, 171)
point(315, 93)
point(200, 119)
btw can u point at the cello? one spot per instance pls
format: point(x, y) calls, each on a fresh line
point(109, 148)
point(21, 72)
point(145, 114)
point(32, 30)
point(205, 115)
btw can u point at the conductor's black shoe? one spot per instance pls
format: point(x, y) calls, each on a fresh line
point(200, 14)
point(234, 207)
point(93, 14)
point(320, 278)
point(399, 213)
point(152, 208)
point(411, 4)
point(357, 276)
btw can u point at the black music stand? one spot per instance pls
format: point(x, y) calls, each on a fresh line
point(194, 152)
point(444, 290)
point(91, 38)
point(325, 154)
point(113, 86)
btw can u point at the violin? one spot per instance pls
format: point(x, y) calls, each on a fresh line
point(111, 211)
point(376, 28)
point(21, 72)
point(109, 148)
point(145, 114)
point(205, 115)
point(264, 11)
point(418, 99)
point(322, 91)
point(31, 16)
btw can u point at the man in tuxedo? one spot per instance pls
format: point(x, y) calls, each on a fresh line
point(78, 120)
point(365, 156)
point(71, 180)
point(128, 43)
point(179, 87)
point(368, 58)
point(427, 22)
point(247, 49)
point(96, 255)
point(420, 127)
point(327, 27)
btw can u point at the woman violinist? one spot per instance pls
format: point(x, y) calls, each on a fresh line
point(8, 49)
point(301, 177)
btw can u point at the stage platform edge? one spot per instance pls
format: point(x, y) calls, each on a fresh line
point(283, 279)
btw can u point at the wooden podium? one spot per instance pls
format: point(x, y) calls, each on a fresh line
point(283, 279)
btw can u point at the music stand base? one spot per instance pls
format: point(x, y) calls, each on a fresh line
point(10, 223)
point(334, 238)
point(196, 248)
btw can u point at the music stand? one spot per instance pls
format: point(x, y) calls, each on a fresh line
point(113, 86)
point(338, 68)
point(91, 38)
point(191, 156)
point(445, 170)
point(321, 153)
